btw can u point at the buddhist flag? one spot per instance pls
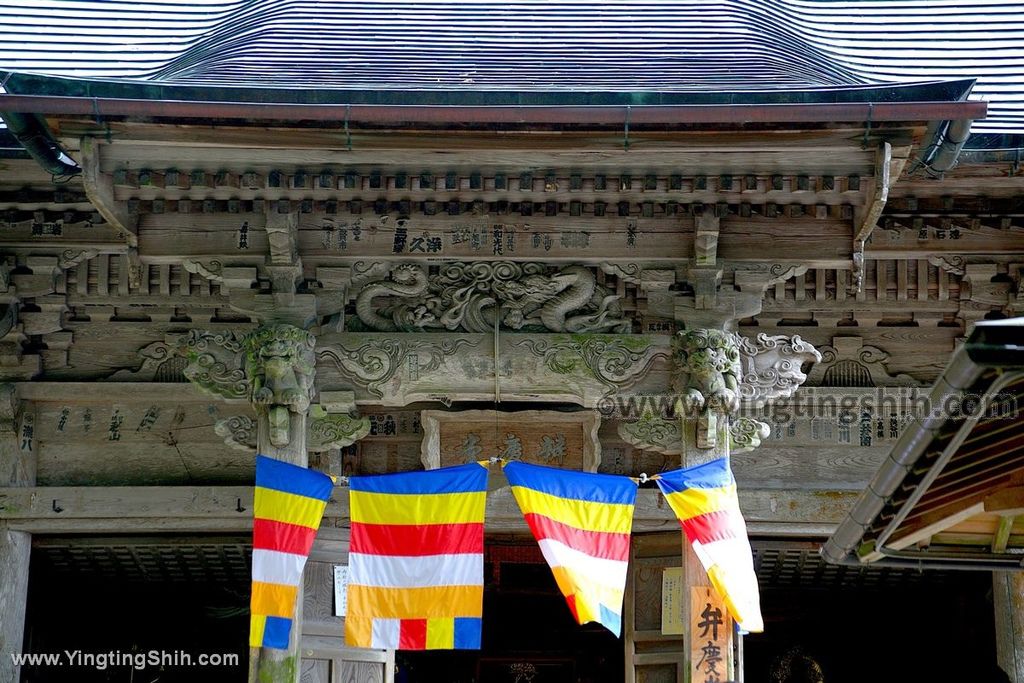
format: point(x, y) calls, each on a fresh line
point(582, 522)
point(705, 501)
point(416, 559)
point(289, 504)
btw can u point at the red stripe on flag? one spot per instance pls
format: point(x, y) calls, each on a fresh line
point(413, 634)
point(603, 544)
point(713, 526)
point(286, 538)
point(571, 601)
point(416, 540)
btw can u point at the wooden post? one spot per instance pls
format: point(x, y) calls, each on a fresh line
point(280, 366)
point(694, 576)
point(17, 468)
point(1008, 601)
point(282, 666)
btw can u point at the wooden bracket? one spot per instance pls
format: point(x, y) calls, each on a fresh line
point(99, 188)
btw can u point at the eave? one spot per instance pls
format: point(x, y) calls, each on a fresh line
point(955, 470)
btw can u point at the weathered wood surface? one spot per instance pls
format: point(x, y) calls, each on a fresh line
point(263, 149)
point(216, 508)
point(1008, 601)
point(323, 638)
point(17, 471)
point(823, 241)
point(650, 655)
point(15, 550)
point(165, 441)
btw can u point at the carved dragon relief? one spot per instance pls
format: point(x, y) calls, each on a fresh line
point(474, 297)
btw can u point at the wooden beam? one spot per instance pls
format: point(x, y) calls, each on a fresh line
point(1002, 537)
point(933, 527)
point(126, 509)
point(99, 188)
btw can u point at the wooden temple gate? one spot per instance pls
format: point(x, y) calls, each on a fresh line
point(203, 293)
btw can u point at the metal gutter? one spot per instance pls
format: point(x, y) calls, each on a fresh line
point(992, 344)
point(859, 112)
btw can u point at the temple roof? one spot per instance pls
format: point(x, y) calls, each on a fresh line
point(530, 46)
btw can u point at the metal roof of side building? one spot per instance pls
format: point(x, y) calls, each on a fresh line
point(951, 493)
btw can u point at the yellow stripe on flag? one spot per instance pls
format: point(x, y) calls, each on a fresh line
point(358, 631)
point(415, 603)
point(440, 634)
point(570, 582)
point(288, 508)
point(581, 514)
point(256, 624)
point(273, 599)
point(440, 508)
point(694, 502)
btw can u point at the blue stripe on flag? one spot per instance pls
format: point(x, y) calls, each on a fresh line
point(467, 633)
point(596, 488)
point(276, 632)
point(459, 479)
point(712, 475)
point(282, 476)
point(611, 621)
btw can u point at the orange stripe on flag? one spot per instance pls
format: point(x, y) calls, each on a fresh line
point(415, 603)
point(273, 600)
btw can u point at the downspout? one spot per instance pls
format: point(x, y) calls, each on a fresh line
point(32, 133)
point(945, 149)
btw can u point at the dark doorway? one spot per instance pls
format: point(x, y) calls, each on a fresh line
point(139, 610)
point(857, 624)
point(529, 634)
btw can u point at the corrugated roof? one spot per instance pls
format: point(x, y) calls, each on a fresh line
point(529, 45)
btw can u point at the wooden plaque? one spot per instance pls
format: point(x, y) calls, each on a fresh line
point(540, 437)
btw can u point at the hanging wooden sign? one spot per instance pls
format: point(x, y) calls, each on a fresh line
point(710, 627)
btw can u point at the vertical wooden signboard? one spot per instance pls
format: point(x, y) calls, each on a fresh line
point(710, 625)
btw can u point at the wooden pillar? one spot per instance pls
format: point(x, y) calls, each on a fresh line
point(17, 468)
point(15, 549)
point(282, 666)
point(1008, 601)
point(694, 576)
point(279, 367)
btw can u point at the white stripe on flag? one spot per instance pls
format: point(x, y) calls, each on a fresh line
point(599, 570)
point(272, 566)
point(733, 562)
point(385, 633)
point(396, 571)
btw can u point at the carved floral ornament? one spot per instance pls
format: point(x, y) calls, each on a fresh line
point(477, 297)
point(324, 430)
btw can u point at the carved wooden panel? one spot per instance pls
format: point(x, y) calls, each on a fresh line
point(566, 440)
